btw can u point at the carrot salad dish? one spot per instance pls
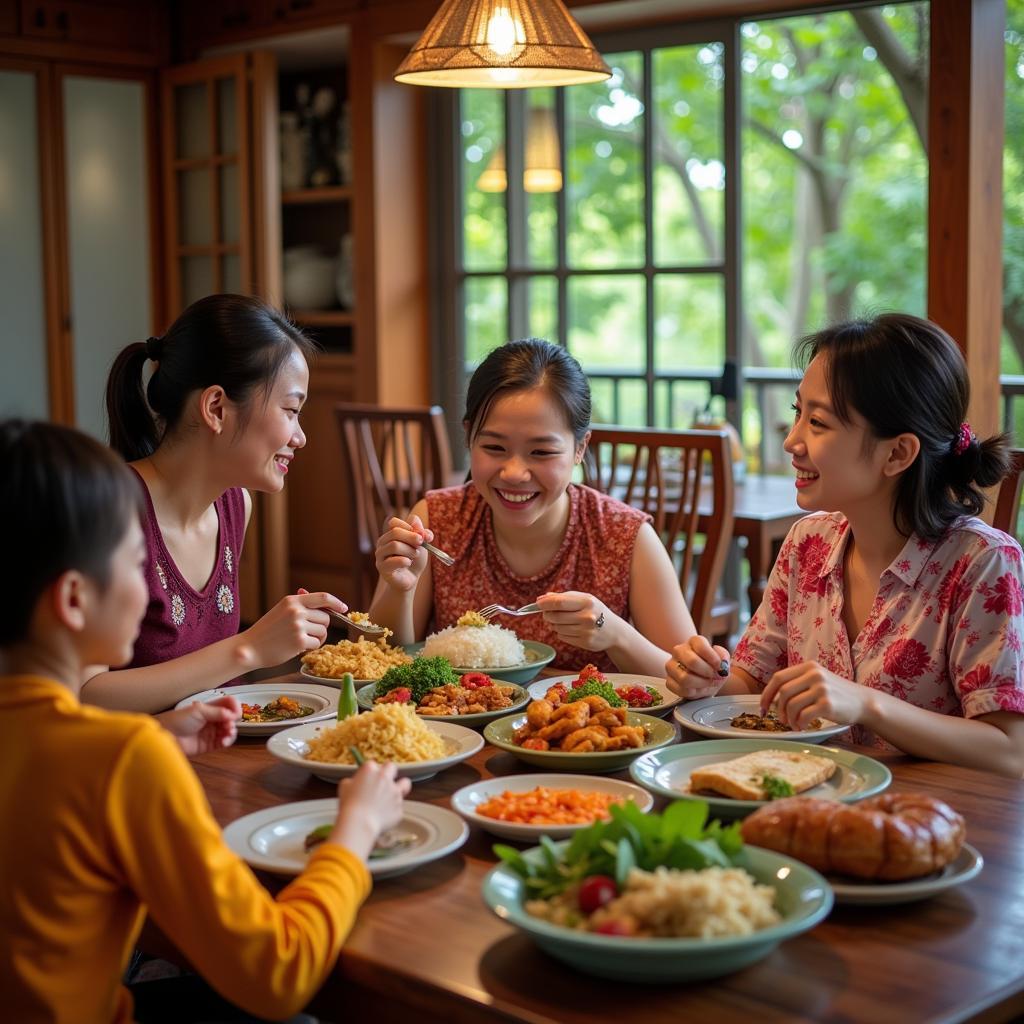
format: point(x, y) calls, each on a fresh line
point(543, 806)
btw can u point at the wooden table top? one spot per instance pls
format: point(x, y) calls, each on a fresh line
point(428, 936)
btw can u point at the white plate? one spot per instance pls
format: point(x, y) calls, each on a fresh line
point(963, 869)
point(467, 799)
point(273, 839)
point(668, 699)
point(322, 699)
point(710, 716)
point(291, 746)
point(330, 680)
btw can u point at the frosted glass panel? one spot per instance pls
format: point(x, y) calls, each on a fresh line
point(194, 207)
point(226, 115)
point(193, 121)
point(23, 385)
point(196, 278)
point(229, 203)
point(232, 271)
point(108, 231)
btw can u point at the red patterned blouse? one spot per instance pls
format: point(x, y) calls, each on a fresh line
point(594, 558)
point(944, 633)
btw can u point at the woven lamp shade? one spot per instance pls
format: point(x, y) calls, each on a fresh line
point(504, 44)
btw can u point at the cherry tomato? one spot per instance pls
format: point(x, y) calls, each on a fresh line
point(614, 926)
point(596, 891)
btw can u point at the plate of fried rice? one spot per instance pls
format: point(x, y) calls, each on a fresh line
point(390, 732)
point(367, 660)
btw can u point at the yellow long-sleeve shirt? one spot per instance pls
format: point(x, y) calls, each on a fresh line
point(101, 820)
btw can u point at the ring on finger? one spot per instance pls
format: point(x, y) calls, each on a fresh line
point(599, 621)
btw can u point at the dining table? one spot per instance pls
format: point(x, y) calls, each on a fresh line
point(426, 947)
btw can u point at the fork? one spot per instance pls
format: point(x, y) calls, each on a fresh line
point(442, 556)
point(370, 628)
point(499, 609)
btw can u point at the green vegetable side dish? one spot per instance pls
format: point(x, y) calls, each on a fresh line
point(775, 788)
point(420, 676)
point(681, 837)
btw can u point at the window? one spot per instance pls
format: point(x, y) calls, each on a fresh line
point(731, 187)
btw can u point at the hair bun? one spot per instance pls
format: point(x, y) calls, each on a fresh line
point(154, 348)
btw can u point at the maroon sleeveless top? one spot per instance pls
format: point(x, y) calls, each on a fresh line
point(594, 557)
point(179, 619)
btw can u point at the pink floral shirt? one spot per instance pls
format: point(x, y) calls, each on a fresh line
point(944, 632)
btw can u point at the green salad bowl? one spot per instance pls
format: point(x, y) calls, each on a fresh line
point(802, 897)
point(520, 698)
point(659, 734)
point(537, 656)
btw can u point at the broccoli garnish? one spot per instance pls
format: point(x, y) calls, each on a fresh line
point(596, 689)
point(420, 676)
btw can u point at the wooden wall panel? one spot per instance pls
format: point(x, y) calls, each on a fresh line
point(965, 144)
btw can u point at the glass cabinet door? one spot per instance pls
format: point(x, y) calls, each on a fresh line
point(24, 388)
point(108, 231)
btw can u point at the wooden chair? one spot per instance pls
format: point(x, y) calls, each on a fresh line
point(393, 457)
point(1008, 497)
point(683, 480)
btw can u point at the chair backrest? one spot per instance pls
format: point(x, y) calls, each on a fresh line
point(683, 479)
point(1008, 497)
point(393, 456)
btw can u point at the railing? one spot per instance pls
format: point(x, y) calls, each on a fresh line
point(769, 386)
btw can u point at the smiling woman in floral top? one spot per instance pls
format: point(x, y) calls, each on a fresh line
point(893, 608)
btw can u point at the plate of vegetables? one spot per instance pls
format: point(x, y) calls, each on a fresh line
point(439, 693)
point(269, 707)
point(646, 694)
point(611, 901)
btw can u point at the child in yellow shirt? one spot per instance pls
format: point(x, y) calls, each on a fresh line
point(103, 818)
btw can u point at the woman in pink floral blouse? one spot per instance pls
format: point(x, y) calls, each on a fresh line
point(892, 608)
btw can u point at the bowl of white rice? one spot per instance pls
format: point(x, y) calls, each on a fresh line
point(491, 649)
point(737, 926)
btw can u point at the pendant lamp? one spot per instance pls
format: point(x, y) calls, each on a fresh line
point(503, 44)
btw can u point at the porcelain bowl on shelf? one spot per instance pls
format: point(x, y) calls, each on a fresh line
point(309, 278)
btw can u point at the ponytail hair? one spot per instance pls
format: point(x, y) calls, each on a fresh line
point(906, 375)
point(235, 341)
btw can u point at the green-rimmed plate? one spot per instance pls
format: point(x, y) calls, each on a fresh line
point(802, 898)
point(537, 656)
point(364, 698)
point(659, 733)
point(668, 772)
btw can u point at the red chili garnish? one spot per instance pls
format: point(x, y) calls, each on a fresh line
point(596, 891)
point(399, 695)
point(475, 680)
point(614, 926)
point(587, 673)
point(636, 696)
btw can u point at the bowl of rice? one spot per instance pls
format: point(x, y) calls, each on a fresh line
point(391, 732)
point(701, 924)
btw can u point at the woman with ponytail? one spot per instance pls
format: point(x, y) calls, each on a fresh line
point(217, 417)
point(892, 608)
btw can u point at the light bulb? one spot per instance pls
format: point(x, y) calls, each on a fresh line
point(504, 32)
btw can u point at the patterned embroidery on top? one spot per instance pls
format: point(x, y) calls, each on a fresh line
point(177, 610)
point(225, 599)
point(229, 558)
point(161, 575)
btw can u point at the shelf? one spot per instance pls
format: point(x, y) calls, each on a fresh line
point(327, 194)
point(324, 317)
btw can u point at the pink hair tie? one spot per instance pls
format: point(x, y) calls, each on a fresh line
point(964, 439)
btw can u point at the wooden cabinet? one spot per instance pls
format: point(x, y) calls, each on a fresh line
point(8, 17)
point(130, 26)
point(204, 24)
